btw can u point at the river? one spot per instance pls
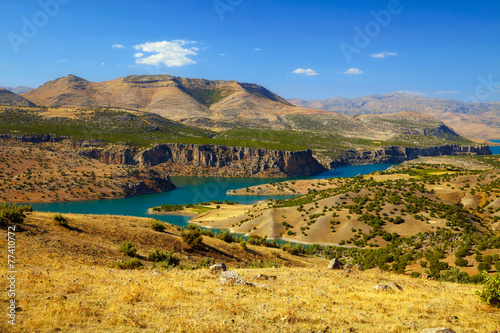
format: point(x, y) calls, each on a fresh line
point(191, 190)
point(196, 190)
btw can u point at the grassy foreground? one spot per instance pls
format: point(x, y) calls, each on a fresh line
point(64, 283)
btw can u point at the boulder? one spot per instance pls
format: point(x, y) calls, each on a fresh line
point(388, 286)
point(217, 268)
point(231, 278)
point(335, 264)
point(359, 267)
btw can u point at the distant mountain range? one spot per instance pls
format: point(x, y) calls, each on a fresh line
point(17, 90)
point(476, 120)
point(228, 105)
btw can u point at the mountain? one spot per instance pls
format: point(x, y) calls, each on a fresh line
point(9, 98)
point(245, 114)
point(475, 120)
point(198, 101)
point(17, 90)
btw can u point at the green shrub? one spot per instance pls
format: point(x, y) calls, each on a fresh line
point(415, 275)
point(226, 236)
point(167, 257)
point(461, 262)
point(12, 214)
point(128, 264)
point(191, 235)
point(243, 245)
point(293, 249)
point(158, 226)
point(205, 262)
point(491, 289)
point(256, 240)
point(128, 249)
point(60, 220)
point(483, 266)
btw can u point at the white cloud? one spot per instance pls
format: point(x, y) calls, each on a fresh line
point(353, 71)
point(447, 92)
point(257, 49)
point(383, 54)
point(308, 72)
point(411, 92)
point(103, 63)
point(119, 46)
point(172, 54)
point(222, 54)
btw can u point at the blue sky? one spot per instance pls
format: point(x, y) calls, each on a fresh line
point(304, 49)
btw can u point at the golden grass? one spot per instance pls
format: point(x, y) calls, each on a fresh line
point(64, 283)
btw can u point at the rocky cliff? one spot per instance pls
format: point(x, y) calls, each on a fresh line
point(401, 154)
point(252, 160)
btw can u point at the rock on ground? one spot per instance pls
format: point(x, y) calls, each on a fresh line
point(232, 278)
point(335, 264)
point(217, 268)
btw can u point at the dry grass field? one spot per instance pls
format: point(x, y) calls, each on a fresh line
point(64, 284)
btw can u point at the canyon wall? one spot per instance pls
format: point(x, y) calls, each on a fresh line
point(400, 154)
point(253, 160)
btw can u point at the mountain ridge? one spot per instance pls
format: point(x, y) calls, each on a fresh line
point(474, 120)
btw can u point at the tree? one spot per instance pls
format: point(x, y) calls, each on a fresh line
point(191, 235)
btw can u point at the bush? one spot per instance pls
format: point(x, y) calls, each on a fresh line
point(415, 275)
point(60, 220)
point(243, 245)
point(256, 240)
point(226, 236)
point(168, 258)
point(128, 249)
point(191, 235)
point(12, 214)
point(491, 289)
point(293, 249)
point(461, 262)
point(483, 266)
point(205, 262)
point(158, 226)
point(128, 264)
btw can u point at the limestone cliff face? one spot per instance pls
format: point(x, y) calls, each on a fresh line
point(401, 154)
point(110, 155)
point(150, 181)
point(252, 160)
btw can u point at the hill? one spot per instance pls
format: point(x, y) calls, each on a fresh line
point(67, 280)
point(474, 120)
point(17, 90)
point(9, 98)
point(457, 194)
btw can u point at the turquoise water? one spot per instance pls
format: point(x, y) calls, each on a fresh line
point(190, 190)
point(195, 190)
point(495, 150)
